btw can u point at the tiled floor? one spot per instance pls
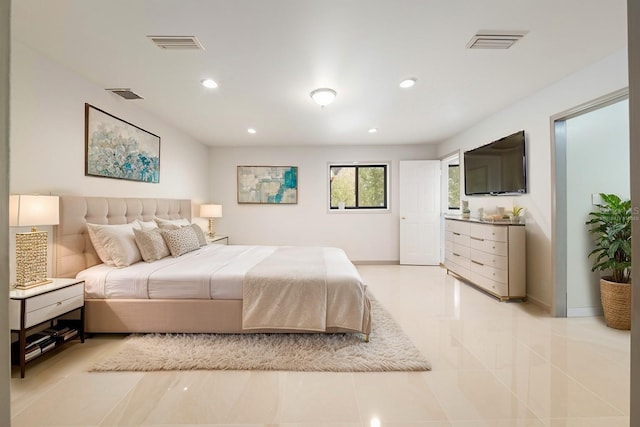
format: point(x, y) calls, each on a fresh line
point(494, 364)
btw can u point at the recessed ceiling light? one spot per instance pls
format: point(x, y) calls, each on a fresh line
point(208, 83)
point(251, 131)
point(407, 83)
point(373, 130)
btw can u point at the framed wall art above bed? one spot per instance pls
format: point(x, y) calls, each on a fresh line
point(268, 184)
point(118, 149)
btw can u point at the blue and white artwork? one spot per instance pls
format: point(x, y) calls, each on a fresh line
point(117, 149)
point(268, 184)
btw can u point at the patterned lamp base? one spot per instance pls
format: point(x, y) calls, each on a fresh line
point(31, 259)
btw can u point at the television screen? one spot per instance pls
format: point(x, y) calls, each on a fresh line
point(496, 168)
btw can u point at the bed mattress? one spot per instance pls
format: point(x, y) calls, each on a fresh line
point(212, 272)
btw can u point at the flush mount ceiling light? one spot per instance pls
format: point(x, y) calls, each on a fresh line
point(251, 131)
point(323, 96)
point(208, 83)
point(373, 130)
point(407, 83)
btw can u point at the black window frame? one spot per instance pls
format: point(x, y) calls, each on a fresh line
point(384, 166)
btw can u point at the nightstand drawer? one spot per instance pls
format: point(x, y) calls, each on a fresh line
point(41, 308)
point(50, 311)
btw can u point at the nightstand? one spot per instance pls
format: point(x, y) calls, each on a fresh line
point(34, 307)
point(218, 239)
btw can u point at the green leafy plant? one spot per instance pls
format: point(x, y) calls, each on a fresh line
point(611, 226)
point(516, 210)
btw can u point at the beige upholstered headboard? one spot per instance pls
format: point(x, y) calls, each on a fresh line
point(74, 251)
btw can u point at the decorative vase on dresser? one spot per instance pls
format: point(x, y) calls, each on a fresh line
point(490, 256)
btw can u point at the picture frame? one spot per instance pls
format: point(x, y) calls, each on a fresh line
point(115, 148)
point(271, 185)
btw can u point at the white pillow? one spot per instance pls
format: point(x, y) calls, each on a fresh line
point(115, 244)
point(146, 225)
point(202, 239)
point(151, 244)
point(181, 240)
point(171, 224)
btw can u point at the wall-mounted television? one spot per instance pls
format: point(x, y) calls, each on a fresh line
point(499, 167)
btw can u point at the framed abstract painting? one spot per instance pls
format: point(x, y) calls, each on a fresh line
point(118, 149)
point(268, 184)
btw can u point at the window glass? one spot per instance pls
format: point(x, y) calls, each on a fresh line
point(358, 186)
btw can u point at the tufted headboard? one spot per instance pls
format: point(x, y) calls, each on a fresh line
point(74, 251)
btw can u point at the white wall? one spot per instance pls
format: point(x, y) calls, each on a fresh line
point(364, 236)
point(597, 162)
point(47, 137)
point(533, 115)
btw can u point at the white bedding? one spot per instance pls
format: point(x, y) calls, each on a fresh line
point(211, 272)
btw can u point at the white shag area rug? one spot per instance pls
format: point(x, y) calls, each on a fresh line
point(389, 349)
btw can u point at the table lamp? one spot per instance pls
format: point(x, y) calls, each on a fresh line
point(211, 212)
point(31, 247)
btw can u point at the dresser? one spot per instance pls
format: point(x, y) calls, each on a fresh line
point(490, 256)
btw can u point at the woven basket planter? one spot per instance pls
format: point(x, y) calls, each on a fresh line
point(616, 303)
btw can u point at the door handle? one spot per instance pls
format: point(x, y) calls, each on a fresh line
point(403, 217)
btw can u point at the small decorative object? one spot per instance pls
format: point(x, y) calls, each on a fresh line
point(117, 149)
point(211, 212)
point(31, 247)
point(466, 213)
point(516, 213)
point(500, 211)
point(480, 213)
point(268, 184)
point(611, 227)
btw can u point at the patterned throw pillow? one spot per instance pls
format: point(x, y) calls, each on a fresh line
point(181, 240)
point(151, 244)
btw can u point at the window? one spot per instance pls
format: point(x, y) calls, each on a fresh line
point(454, 187)
point(358, 186)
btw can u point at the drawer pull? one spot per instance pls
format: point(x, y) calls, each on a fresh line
point(456, 234)
point(477, 238)
point(476, 262)
point(59, 303)
point(455, 254)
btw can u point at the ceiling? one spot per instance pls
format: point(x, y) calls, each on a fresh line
point(268, 55)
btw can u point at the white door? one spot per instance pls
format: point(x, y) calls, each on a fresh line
point(420, 212)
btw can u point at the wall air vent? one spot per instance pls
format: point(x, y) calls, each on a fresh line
point(125, 93)
point(177, 42)
point(495, 39)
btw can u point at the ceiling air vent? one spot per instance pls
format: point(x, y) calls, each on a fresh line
point(177, 42)
point(125, 93)
point(495, 39)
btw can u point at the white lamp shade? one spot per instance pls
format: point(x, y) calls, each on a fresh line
point(210, 211)
point(25, 210)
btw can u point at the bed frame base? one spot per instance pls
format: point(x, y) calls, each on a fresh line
point(173, 316)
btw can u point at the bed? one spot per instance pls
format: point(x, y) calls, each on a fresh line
point(214, 289)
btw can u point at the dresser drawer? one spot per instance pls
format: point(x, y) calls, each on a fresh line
point(488, 246)
point(457, 259)
point(494, 233)
point(462, 250)
point(490, 259)
point(461, 239)
point(489, 272)
point(492, 286)
point(460, 227)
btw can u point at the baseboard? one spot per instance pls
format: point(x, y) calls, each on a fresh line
point(535, 301)
point(376, 262)
point(584, 312)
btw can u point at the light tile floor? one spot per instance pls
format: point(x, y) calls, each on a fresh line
point(494, 364)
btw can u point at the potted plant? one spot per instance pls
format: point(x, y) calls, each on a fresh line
point(516, 213)
point(611, 226)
